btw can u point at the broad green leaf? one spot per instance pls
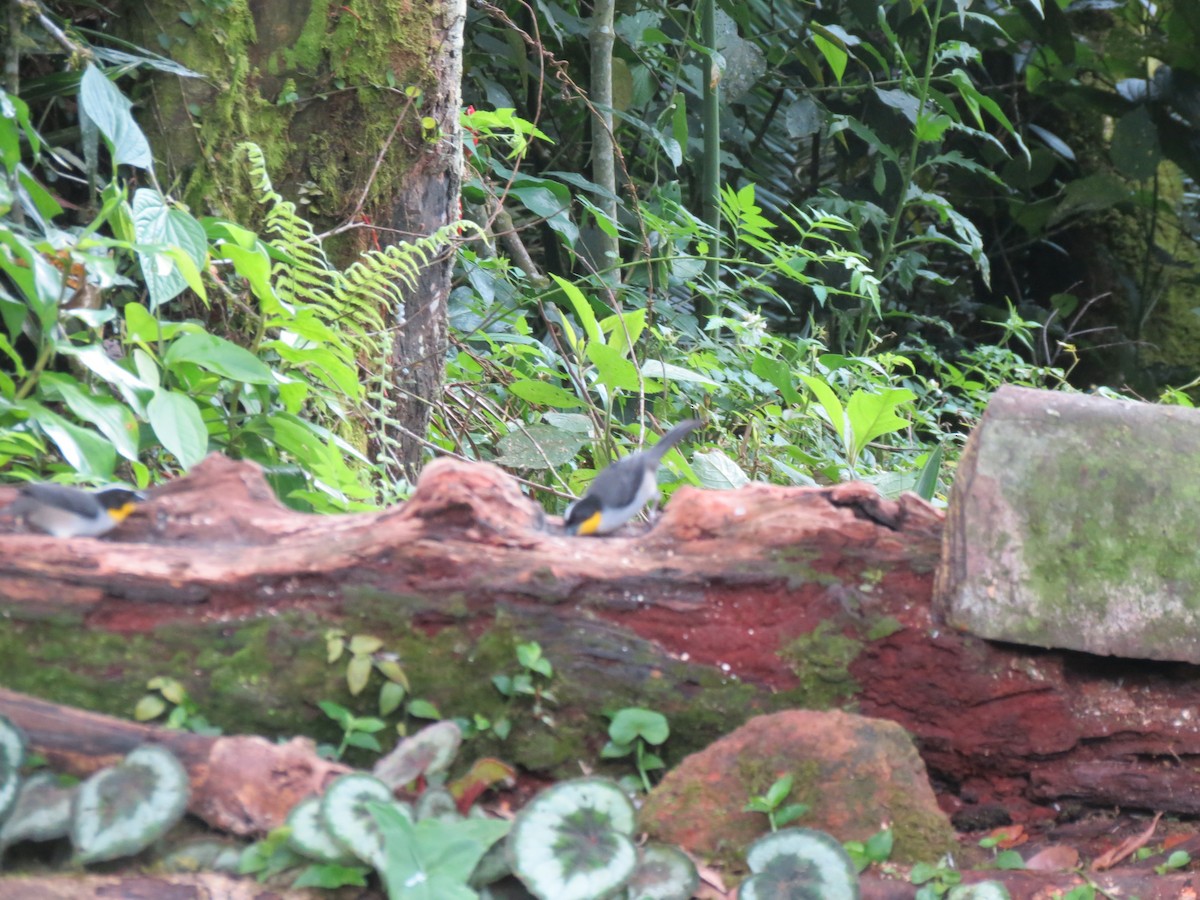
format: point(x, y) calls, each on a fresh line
point(325, 364)
point(624, 329)
point(218, 355)
point(834, 413)
point(432, 859)
point(1135, 149)
point(39, 282)
point(927, 481)
point(583, 309)
point(717, 472)
point(147, 368)
point(632, 723)
point(87, 452)
point(544, 393)
point(108, 108)
point(178, 425)
point(778, 373)
point(94, 358)
point(872, 415)
point(113, 419)
point(834, 55)
point(615, 371)
point(538, 447)
point(255, 266)
point(163, 227)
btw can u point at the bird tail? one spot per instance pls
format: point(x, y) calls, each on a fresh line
point(673, 437)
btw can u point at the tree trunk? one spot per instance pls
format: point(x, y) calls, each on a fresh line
point(356, 109)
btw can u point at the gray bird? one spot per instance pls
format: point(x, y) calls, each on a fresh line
point(619, 492)
point(64, 511)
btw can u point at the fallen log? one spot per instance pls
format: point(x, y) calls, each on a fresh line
point(734, 603)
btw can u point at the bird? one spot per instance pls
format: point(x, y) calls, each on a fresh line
point(64, 511)
point(619, 492)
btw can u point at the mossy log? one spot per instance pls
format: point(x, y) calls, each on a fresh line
point(734, 603)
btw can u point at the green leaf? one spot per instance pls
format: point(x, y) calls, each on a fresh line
point(358, 673)
point(432, 859)
point(345, 813)
point(330, 876)
point(624, 329)
point(834, 412)
point(717, 472)
point(108, 108)
point(218, 355)
point(167, 230)
point(583, 309)
point(779, 374)
point(927, 481)
point(12, 757)
point(94, 358)
point(664, 872)
point(654, 368)
point(1135, 149)
point(538, 447)
point(254, 265)
point(633, 722)
point(42, 811)
point(778, 791)
point(544, 393)
point(391, 695)
point(113, 419)
point(423, 709)
point(872, 415)
point(614, 370)
point(799, 862)
point(87, 452)
point(176, 421)
point(1008, 859)
point(149, 707)
point(834, 55)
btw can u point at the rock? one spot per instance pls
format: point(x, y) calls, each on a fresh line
point(1072, 525)
point(857, 775)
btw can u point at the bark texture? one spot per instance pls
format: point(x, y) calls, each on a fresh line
point(735, 602)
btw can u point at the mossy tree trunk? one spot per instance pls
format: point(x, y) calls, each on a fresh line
point(356, 109)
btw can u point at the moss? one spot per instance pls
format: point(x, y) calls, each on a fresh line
point(821, 661)
point(797, 566)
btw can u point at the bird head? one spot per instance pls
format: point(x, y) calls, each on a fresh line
point(119, 502)
point(582, 516)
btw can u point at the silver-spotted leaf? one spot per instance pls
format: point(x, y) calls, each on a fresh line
point(572, 841)
point(121, 810)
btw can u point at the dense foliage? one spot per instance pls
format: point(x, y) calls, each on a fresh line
point(919, 201)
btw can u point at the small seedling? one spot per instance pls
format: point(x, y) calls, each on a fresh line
point(368, 654)
point(876, 850)
point(357, 731)
point(771, 804)
point(933, 881)
point(170, 694)
point(1005, 859)
point(1177, 860)
point(532, 681)
point(633, 731)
